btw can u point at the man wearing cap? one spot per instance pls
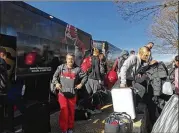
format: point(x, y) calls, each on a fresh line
point(3, 84)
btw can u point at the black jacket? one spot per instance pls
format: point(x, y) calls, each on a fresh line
point(157, 74)
point(3, 76)
point(95, 74)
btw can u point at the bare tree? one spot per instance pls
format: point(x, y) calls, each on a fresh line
point(165, 28)
point(133, 10)
point(165, 15)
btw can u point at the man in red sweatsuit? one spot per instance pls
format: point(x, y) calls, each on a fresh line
point(66, 79)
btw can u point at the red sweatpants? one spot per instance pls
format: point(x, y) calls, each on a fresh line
point(67, 112)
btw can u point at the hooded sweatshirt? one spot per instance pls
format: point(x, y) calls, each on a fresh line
point(68, 78)
point(129, 68)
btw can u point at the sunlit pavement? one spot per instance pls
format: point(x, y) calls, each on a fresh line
point(94, 125)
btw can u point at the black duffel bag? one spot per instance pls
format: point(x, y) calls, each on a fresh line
point(118, 123)
point(82, 114)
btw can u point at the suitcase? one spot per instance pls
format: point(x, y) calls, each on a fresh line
point(123, 101)
point(168, 119)
point(37, 118)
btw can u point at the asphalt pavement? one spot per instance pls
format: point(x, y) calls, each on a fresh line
point(93, 125)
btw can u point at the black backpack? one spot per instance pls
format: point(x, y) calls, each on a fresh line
point(82, 114)
point(121, 59)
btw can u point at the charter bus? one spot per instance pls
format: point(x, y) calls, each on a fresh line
point(36, 30)
point(25, 30)
point(109, 50)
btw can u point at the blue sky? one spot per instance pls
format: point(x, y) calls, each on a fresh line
point(101, 20)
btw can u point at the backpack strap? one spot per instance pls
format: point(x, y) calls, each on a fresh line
point(121, 61)
point(115, 65)
point(170, 73)
point(61, 70)
point(134, 74)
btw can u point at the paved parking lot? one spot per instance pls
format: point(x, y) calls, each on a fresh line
point(94, 125)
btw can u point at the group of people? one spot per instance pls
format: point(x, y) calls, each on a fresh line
point(147, 76)
point(136, 70)
point(133, 70)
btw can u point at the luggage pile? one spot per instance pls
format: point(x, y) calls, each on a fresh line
point(126, 117)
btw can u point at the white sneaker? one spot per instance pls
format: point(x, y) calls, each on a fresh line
point(70, 131)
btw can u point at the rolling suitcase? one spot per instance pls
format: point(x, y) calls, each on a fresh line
point(123, 101)
point(37, 118)
point(168, 119)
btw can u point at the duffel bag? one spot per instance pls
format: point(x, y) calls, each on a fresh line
point(81, 114)
point(118, 123)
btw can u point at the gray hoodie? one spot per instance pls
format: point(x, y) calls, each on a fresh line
point(68, 78)
point(129, 68)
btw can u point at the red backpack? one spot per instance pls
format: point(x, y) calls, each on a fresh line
point(86, 64)
point(111, 78)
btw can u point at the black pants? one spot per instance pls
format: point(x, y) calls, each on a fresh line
point(10, 117)
point(151, 105)
point(2, 111)
point(19, 102)
point(6, 114)
point(147, 99)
